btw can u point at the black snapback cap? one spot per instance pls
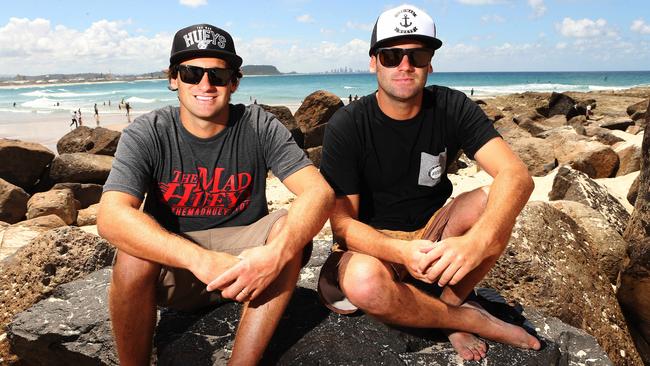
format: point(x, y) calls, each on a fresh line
point(204, 40)
point(404, 21)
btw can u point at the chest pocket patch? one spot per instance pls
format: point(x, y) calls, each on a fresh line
point(432, 168)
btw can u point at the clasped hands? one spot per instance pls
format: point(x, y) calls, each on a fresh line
point(243, 277)
point(447, 261)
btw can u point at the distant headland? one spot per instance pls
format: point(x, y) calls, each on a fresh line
point(94, 77)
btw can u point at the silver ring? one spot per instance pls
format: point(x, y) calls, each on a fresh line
point(244, 291)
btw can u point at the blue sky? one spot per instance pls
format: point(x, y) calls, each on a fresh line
point(310, 36)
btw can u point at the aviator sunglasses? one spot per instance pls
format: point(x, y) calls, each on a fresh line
point(392, 57)
point(193, 74)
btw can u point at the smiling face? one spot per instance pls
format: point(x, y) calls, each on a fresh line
point(203, 104)
point(404, 82)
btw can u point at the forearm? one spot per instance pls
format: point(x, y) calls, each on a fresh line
point(360, 237)
point(508, 195)
point(139, 235)
point(305, 219)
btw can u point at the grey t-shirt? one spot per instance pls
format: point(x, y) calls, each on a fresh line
point(198, 184)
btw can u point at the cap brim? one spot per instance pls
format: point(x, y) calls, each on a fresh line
point(234, 61)
point(431, 42)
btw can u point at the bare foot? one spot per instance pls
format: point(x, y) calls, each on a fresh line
point(497, 330)
point(468, 346)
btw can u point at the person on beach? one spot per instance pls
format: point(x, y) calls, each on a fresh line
point(205, 234)
point(79, 117)
point(127, 106)
point(96, 114)
point(74, 120)
point(401, 255)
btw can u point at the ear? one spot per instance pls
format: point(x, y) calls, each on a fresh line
point(373, 64)
point(173, 84)
point(234, 85)
point(430, 68)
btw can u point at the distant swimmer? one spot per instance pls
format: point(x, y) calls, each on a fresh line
point(14, 104)
point(471, 92)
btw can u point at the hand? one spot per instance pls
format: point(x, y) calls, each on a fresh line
point(212, 264)
point(414, 251)
point(255, 271)
point(451, 260)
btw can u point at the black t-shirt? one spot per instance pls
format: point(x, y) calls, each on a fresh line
point(399, 168)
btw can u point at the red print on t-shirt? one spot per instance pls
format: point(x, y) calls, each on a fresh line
point(192, 194)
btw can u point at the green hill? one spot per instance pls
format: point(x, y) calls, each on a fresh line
point(260, 70)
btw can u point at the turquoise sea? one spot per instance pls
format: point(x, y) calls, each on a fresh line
point(290, 90)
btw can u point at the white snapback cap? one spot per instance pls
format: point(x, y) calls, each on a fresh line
point(404, 21)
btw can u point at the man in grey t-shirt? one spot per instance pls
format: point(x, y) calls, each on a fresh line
point(202, 167)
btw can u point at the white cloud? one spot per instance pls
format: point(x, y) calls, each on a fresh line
point(640, 26)
point(480, 2)
point(584, 28)
point(193, 3)
point(35, 47)
point(359, 26)
point(492, 19)
point(539, 9)
point(305, 18)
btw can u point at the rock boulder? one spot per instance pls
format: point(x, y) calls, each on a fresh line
point(13, 202)
point(84, 139)
point(316, 109)
point(23, 163)
point(58, 202)
point(81, 168)
point(73, 327)
point(549, 266)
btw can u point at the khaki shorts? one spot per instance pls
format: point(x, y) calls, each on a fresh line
point(330, 292)
point(180, 289)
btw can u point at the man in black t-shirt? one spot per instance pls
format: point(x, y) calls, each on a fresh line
point(386, 157)
point(205, 223)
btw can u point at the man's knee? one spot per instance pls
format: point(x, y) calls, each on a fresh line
point(364, 280)
point(133, 274)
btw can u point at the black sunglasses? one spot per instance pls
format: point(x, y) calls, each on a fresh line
point(392, 57)
point(193, 74)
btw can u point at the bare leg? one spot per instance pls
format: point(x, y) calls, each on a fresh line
point(261, 316)
point(132, 305)
point(368, 283)
point(464, 214)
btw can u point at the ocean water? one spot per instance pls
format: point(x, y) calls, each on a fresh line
point(290, 90)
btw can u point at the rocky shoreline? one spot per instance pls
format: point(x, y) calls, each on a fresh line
point(576, 271)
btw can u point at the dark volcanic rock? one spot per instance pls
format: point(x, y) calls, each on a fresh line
point(316, 109)
point(634, 292)
point(23, 163)
point(548, 265)
point(562, 104)
point(81, 168)
point(638, 110)
point(607, 246)
point(576, 186)
point(314, 136)
point(84, 139)
point(51, 259)
point(58, 202)
point(633, 192)
point(314, 154)
point(87, 194)
point(73, 328)
point(13, 202)
point(284, 115)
